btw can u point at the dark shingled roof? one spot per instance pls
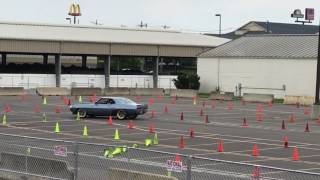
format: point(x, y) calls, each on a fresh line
point(274, 28)
point(268, 46)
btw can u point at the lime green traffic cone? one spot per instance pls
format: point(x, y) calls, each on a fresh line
point(116, 135)
point(135, 145)
point(85, 131)
point(80, 99)
point(155, 139)
point(57, 128)
point(78, 116)
point(148, 142)
point(4, 119)
point(124, 148)
point(117, 151)
point(44, 117)
point(44, 100)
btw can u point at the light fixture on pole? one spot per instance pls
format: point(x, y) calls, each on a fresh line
point(219, 15)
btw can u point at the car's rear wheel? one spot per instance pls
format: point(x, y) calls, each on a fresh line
point(121, 114)
point(82, 113)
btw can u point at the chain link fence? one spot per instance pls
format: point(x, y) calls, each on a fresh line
point(39, 158)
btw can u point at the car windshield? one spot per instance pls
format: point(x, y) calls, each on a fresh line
point(124, 101)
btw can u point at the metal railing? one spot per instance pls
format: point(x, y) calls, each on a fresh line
point(39, 158)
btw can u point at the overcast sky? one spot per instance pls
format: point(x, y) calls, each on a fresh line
point(186, 15)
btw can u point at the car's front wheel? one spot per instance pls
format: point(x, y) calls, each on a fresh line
point(121, 114)
point(82, 113)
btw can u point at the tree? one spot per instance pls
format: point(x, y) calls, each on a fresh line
point(187, 81)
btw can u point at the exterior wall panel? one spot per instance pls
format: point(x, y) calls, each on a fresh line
point(298, 75)
point(179, 51)
point(135, 50)
point(85, 48)
point(25, 46)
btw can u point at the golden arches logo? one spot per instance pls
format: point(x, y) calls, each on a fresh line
point(74, 10)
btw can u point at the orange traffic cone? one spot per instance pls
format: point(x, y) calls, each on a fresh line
point(159, 97)
point(230, 106)
point(166, 108)
point(152, 114)
point(110, 121)
point(37, 109)
point(181, 143)
point(295, 154)
point(58, 109)
point(151, 129)
point(259, 108)
point(191, 132)
point(244, 123)
point(220, 146)
point(307, 128)
point(255, 150)
point(207, 119)
point(318, 120)
point(259, 117)
point(151, 101)
point(130, 125)
point(292, 118)
point(285, 144)
point(178, 158)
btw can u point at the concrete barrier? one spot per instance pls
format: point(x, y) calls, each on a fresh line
point(36, 165)
point(86, 91)
point(116, 174)
point(52, 91)
point(11, 91)
point(188, 93)
point(303, 100)
point(116, 91)
point(225, 97)
point(264, 98)
point(146, 91)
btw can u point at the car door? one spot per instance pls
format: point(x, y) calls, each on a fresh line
point(101, 107)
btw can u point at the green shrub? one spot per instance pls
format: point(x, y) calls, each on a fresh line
point(187, 81)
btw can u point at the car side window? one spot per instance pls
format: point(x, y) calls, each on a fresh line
point(101, 101)
point(110, 101)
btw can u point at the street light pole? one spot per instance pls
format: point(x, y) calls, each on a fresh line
point(316, 101)
point(219, 23)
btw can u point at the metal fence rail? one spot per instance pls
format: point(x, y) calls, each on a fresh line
point(40, 158)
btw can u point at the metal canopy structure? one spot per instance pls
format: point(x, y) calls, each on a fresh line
point(105, 42)
point(75, 39)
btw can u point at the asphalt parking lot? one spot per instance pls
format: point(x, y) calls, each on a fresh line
point(225, 124)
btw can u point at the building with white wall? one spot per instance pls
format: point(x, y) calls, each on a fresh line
point(282, 65)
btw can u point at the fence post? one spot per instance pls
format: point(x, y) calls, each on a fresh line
point(75, 163)
point(189, 167)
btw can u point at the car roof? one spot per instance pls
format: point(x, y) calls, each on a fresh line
point(111, 97)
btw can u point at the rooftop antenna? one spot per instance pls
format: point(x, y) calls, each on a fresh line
point(141, 25)
point(165, 27)
point(96, 22)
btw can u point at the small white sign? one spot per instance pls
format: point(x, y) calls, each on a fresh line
point(60, 151)
point(175, 166)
